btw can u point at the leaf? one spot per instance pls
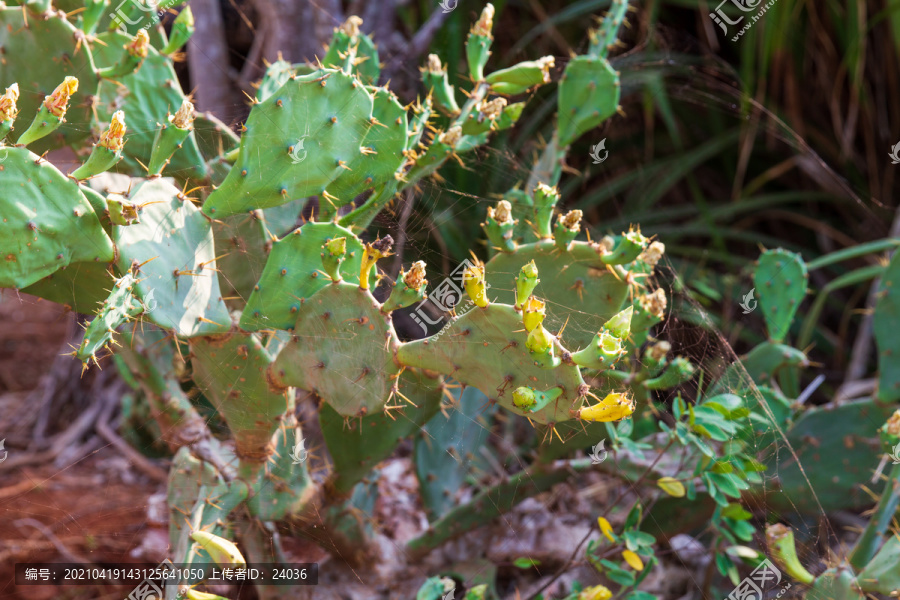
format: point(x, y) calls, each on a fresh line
point(621, 576)
point(736, 511)
point(525, 563)
point(671, 486)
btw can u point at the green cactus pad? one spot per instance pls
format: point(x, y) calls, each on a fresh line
point(447, 448)
point(357, 445)
point(47, 223)
point(81, 286)
point(120, 307)
point(342, 349)
point(485, 348)
point(231, 370)
point(837, 448)
point(387, 141)
point(576, 286)
point(147, 97)
point(186, 477)
point(173, 237)
point(886, 324)
point(50, 45)
point(588, 95)
point(294, 272)
point(780, 283)
point(295, 143)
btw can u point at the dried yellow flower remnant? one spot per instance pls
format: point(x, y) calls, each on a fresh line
point(892, 427)
point(451, 136)
point(571, 220)
point(415, 277)
point(8, 110)
point(485, 23)
point(493, 108)
point(654, 303)
point(351, 26)
point(502, 214)
point(139, 46)
point(546, 63)
point(184, 116)
point(114, 137)
point(653, 253)
point(57, 102)
point(433, 64)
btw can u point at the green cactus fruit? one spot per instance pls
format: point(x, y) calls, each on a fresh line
point(8, 109)
point(434, 76)
point(231, 370)
point(170, 137)
point(780, 279)
point(121, 306)
point(529, 400)
point(334, 251)
point(499, 226)
point(358, 445)
point(485, 117)
point(174, 257)
point(130, 61)
point(526, 281)
point(580, 288)
point(630, 246)
point(107, 152)
point(341, 329)
point(520, 78)
point(545, 199)
point(52, 112)
point(541, 346)
point(533, 313)
point(588, 95)
point(329, 111)
point(53, 43)
point(181, 32)
point(409, 289)
point(885, 324)
point(603, 39)
point(47, 223)
point(680, 370)
point(783, 549)
point(380, 157)
point(285, 485)
point(475, 284)
point(447, 449)
point(293, 273)
point(478, 43)
point(147, 96)
point(498, 363)
point(601, 354)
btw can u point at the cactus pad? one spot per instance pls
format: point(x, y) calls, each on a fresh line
point(47, 223)
point(886, 324)
point(588, 95)
point(780, 279)
point(296, 142)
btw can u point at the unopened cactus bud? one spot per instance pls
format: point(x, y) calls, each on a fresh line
point(521, 77)
point(220, 550)
point(378, 249)
point(52, 113)
point(135, 52)
point(523, 398)
point(499, 226)
point(108, 150)
point(335, 250)
point(526, 281)
point(595, 592)
point(783, 549)
point(182, 30)
point(170, 137)
point(8, 109)
point(653, 254)
point(476, 288)
point(545, 200)
point(534, 313)
point(614, 407)
point(679, 371)
point(567, 228)
point(434, 76)
point(479, 42)
point(629, 248)
point(410, 291)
